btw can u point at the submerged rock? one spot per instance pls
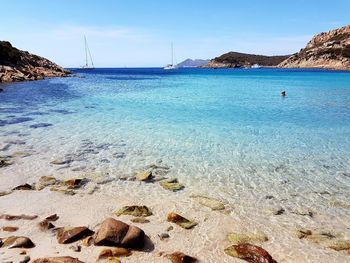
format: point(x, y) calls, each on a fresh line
point(45, 181)
point(23, 187)
point(140, 220)
point(17, 242)
point(212, 203)
point(53, 217)
point(179, 257)
point(239, 238)
point(144, 176)
point(114, 252)
point(9, 228)
point(134, 210)
point(87, 241)
point(58, 260)
point(40, 125)
point(71, 234)
point(250, 253)
point(5, 161)
point(3, 193)
point(117, 233)
point(172, 185)
point(181, 221)
point(113, 260)
point(17, 217)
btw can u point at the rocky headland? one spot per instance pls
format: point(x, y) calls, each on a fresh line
point(18, 65)
point(243, 60)
point(329, 50)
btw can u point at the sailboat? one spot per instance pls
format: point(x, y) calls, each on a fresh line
point(171, 66)
point(87, 52)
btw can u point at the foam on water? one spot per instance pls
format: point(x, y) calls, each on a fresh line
point(224, 133)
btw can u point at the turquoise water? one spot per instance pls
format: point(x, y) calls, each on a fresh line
point(227, 131)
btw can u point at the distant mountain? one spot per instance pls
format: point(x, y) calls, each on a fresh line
point(18, 65)
point(326, 50)
point(192, 63)
point(238, 60)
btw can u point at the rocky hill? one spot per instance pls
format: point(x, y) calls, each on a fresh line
point(238, 60)
point(192, 63)
point(18, 65)
point(329, 50)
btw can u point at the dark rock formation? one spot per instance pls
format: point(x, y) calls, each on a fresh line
point(239, 60)
point(17, 65)
point(329, 50)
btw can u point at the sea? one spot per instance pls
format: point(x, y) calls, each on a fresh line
point(227, 133)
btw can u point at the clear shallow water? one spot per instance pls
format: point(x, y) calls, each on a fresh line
point(226, 133)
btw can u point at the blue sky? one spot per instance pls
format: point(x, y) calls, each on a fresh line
point(139, 33)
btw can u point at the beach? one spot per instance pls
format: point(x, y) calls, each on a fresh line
point(246, 160)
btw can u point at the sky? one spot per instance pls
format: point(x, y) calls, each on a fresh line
point(139, 33)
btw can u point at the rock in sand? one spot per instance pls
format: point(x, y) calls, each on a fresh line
point(250, 253)
point(181, 221)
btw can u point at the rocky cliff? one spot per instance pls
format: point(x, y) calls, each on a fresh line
point(192, 63)
point(17, 65)
point(238, 60)
point(329, 50)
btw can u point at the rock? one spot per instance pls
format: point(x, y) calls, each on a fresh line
point(22, 154)
point(169, 228)
point(17, 242)
point(116, 233)
point(23, 187)
point(278, 211)
point(87, 241)
point(212, 203)
point(5, 193)
point(25, 260)
point(163, 236)
point(144, 176)
point(10, 228)
point(250, 253)
point(140, 220)
point(57, 260)
point(172, 185)
point(113, 260)
point(75, 248)
point(61, 161)
point(62, 190)
point(239, 238)
point(179, 257)
point(53, 217)
point(181, 221)
point(15, 217)
point(340, 245)
point(71, 234)
point(114, 252)
point(45, 225)
point(134, 210)
point(329, 50)
point(74, 183)
point(45, 181)
point(5, 162)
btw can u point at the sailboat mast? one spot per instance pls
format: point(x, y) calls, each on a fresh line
point(86, 53)
point(172, 54)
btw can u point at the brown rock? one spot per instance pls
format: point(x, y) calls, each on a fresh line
point(114, 252)
point(140, 220)
point(116, 233)
point(53, 217)
point(17, 242)
point(23, 187)
point(45, 225)
point(58, 260)
point(71, 234)
point(17, 217)
point(134, 210)
point(250, 253)
point(179, 257)
point(87, 241)
point(10, 228)
point(181, 221)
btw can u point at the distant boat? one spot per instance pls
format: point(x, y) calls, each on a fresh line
point(171, 66)
point(256, 66)
point(87, 52)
